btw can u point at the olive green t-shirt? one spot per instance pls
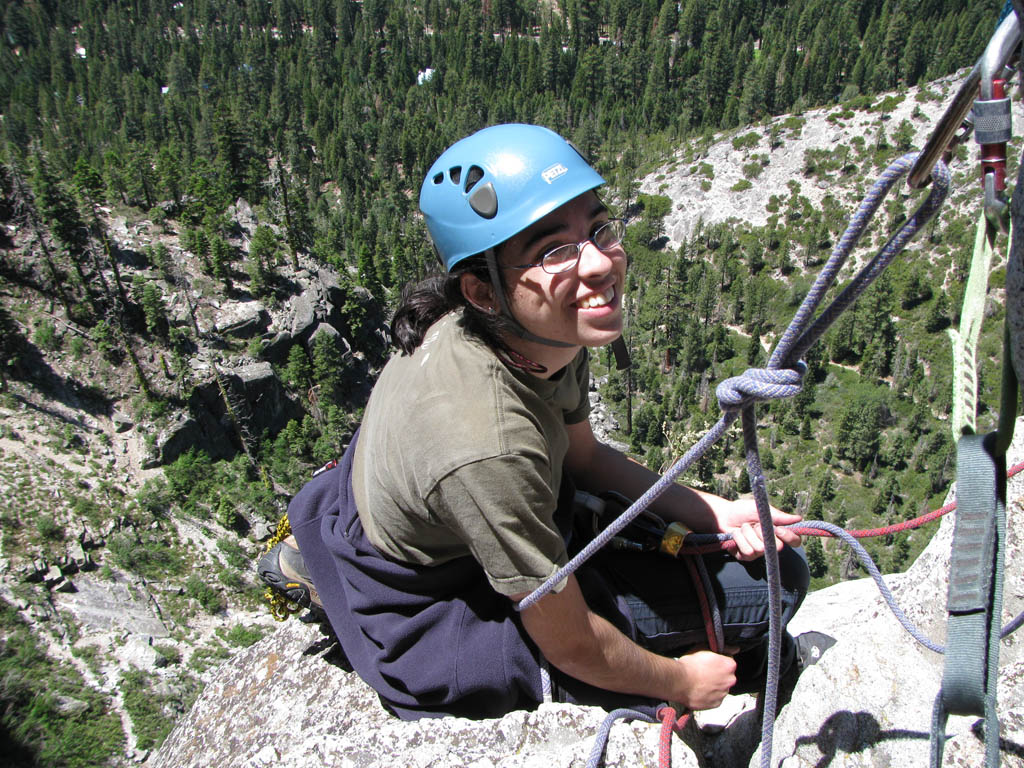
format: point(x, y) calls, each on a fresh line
point(459, 454)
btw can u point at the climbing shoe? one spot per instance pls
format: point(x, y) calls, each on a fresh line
point(283, 570)
point(808, 651)
point(810, 646)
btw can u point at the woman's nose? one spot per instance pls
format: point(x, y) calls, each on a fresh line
point(593, 261)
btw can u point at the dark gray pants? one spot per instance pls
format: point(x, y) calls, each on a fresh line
point(652, 599)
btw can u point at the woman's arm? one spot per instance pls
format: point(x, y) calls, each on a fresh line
point(587, 647)
point(596, 467)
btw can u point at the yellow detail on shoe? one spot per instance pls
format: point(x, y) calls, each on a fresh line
point(280, 606)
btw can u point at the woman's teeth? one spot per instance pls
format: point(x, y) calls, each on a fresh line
point(598, 299)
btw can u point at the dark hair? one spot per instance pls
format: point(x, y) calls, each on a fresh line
point(426, 302)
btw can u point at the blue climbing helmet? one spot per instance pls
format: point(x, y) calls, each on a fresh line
point(497, 182)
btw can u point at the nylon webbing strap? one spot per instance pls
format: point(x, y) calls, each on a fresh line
point(965, 341)
point(975, 595)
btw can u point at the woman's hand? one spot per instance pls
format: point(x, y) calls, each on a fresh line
point(709, 676)
point(740, 519)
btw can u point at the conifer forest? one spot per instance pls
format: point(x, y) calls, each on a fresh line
point(319, 119)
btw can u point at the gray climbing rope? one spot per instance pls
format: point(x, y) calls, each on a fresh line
point(782, 378)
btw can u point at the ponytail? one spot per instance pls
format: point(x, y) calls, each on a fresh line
point(426, 302)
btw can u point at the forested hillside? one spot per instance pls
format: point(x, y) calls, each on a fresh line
point(207, 205)
point(344, 105)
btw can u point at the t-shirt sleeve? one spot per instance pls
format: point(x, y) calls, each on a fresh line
point(503, 509)
point(581, 375)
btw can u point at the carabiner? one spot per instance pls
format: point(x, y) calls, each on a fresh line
point(988, 68)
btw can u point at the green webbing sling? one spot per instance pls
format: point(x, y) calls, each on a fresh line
point(975, 598)
point(965, 340)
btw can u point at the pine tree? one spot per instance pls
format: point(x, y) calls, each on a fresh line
point(816, 562)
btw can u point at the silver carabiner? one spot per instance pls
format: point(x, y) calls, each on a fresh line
point(997, 53)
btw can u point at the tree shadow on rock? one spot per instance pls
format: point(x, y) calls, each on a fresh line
point(31, 367)
point(851, 732)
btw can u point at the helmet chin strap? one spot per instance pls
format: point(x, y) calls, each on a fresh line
point(618, 346)
point(492, 268)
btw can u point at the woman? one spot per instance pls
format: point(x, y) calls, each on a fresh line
point(454, 500)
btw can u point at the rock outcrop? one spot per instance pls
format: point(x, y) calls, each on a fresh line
point(1015, 282)
point(870, 698)
point(286, 701)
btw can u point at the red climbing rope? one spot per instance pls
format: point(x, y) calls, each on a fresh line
point(669, 724)
point(865, 533)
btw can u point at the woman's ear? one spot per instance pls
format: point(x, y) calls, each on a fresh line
point(478, 293)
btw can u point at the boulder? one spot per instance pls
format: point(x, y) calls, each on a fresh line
point(197, 428)
point(257, 399)
point(242, 214)
point(276, 347)
point(262, 395)
point(122, 422)
point(242, 319)
point(303, 314)
point(286, 702)
point(111, 605)
point(324, 329)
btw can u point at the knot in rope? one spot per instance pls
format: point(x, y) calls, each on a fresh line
point(756, 385)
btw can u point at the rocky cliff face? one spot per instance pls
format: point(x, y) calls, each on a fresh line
point(288, 701)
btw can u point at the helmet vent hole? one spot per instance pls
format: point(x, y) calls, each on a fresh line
point(438, 178)
point(474, 175)
point(455, 174)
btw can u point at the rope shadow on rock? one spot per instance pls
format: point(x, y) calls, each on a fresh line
point(1005, 745)
point(851, 732)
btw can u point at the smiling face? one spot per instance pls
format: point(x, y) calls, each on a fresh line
point(581, 306)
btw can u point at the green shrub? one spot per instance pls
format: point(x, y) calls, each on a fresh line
point(200, 590)
point(746, 141)
point(888, 104)
point(190, 479)
point(242, 636)
point(45, 336)
point(234, 555)
point(148, 555)
point(49, 528)
point(76, 347)
point(169, 652)
point(752, 169)
point(741, 185)
point(149, 721)
point(231, 579)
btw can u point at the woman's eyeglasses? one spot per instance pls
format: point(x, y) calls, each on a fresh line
point(565, 257)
